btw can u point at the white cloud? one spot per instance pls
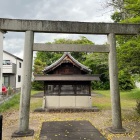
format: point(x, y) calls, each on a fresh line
point(43, 38)
point(14, 43)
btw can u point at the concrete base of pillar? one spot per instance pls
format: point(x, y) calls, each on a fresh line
point(117, 131)
point(30, 132)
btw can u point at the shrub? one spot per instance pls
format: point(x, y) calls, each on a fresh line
point(103, 84)
point(99, 85)
point(38, 85)
point(125, 81)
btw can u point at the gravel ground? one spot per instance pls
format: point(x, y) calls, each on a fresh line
point(101, 120)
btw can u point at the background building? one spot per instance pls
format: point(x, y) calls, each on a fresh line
point(12, 70)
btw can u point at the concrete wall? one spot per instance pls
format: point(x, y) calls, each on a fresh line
point(67, 101)
point(83, 101)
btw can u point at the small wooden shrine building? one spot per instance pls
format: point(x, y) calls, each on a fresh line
point(67, 84)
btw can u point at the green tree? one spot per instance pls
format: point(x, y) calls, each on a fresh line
point(50, 57)
point(80, 56)
point(127, 11)
point(98, 63)
point(128, 46)
point(46, 58)
point(38, 66)
point(37, 69)
point(129, 55)
point(125, 80)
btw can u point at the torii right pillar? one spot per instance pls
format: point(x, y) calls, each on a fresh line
point(114, 87)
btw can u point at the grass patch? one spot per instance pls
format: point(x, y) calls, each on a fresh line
point(12, 103)
point(128, 104)
point(101, 102)
point(128, 99)
point(133, 94)
point(102, 99)
point(36, 103)
point(103, 92)
point(33, 92)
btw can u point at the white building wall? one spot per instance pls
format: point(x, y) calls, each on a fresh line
point(19, 73)
point(9, 57)
point(16, 61)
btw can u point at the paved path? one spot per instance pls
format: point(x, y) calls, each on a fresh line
point(69, 130)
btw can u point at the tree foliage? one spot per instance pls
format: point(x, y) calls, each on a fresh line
point(38, 66)
point(128, 49)
point(129, 55)
point(128, 46)
point(50, 57)
point(125, 80)
point(37, 69)
point(97, 62)
point(125, 10)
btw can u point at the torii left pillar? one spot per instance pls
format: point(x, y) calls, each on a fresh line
point(26, 88)
point(1, 59)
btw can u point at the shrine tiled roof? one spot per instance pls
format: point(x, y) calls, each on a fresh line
point(61, 60)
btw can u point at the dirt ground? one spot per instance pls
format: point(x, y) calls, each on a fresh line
point(101, 120)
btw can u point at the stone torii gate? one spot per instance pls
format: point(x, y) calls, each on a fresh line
point(31, 26)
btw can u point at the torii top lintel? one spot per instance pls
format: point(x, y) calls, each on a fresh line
point(70, 27)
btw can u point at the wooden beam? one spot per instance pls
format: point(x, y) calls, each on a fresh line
point(70, 27)
point(70, 48)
